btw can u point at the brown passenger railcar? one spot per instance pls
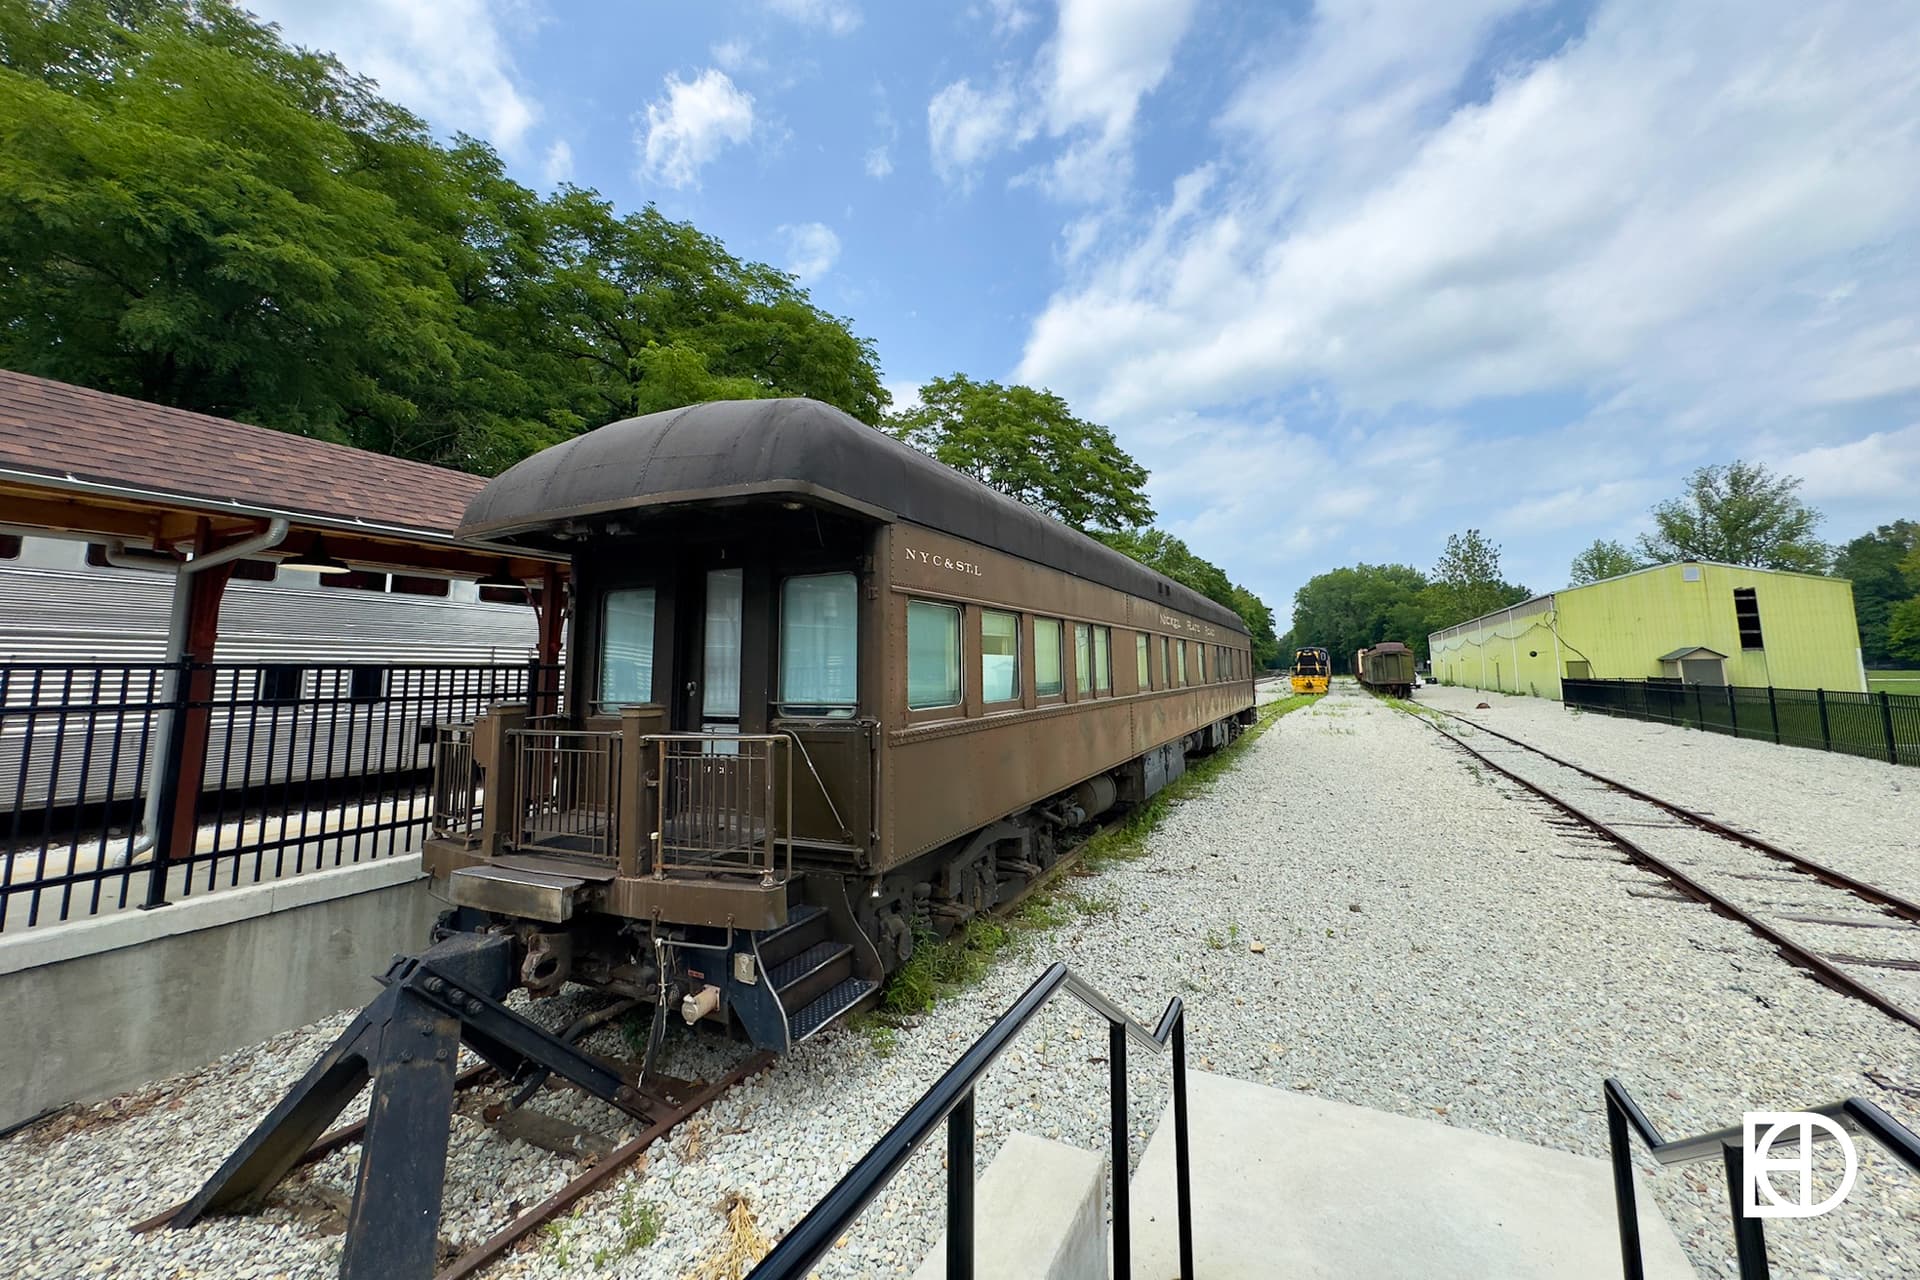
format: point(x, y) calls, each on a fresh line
point(823, 694)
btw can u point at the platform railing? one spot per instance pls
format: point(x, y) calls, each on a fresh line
point(1625, 1120)
point(567, 791)
point(950, 1101)
point(455, 811)
point(723, 803)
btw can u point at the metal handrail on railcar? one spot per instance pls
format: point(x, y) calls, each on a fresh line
point(950, 1100)
point(1624, 1117)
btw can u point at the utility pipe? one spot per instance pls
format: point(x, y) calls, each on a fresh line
point(177, 619)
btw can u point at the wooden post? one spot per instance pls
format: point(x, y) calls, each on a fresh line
point(543, 694)
point(493, 751)
point(195, 712)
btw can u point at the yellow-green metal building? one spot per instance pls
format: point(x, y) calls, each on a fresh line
point(1697, 621)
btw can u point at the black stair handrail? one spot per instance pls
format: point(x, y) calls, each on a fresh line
point(1855, 1115)
point(950, 1099)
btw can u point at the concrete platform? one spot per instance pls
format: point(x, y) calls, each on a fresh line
point(1287, 1184)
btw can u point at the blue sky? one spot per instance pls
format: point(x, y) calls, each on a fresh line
point(1345, 276)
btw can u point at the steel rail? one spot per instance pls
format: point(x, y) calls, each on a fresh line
point(1902, 907)
point(489, 1250)
point(1795, 952)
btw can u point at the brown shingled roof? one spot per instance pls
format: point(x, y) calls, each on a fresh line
point(62, 431)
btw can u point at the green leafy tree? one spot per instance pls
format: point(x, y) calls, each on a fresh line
point(1467, 581)
point(196, 214)
point(1604, 559)
point(1029, 445)
point(1738, 513)
point(1903, 620)
point(1353, 608)
point(1164, 553)
point(1881, 583)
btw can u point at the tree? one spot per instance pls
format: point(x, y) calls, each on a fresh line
point(1354, 608)
point(1873, 563)
point(198, 215)
point(1467, 581)
point(1738, 513)
point(1604, 559)
point(1164, 553)
point(1030, 446)
point(1903, 621)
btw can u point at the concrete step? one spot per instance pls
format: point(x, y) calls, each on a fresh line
point(1038, 1214)
point(1285, 1184)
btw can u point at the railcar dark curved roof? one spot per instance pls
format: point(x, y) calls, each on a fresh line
point(737, 447)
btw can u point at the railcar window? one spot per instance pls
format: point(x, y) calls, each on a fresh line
point(819, 645)
point(999, 656)
point(280, 684)
point(10, 546)
point(933, 655)
point(1103, 660)
point(626, 648)
point(720, 694)
point(1082, 658)
point(1182, 649)
point(1140, 661)
point(1166, 663)
point(1046, 657)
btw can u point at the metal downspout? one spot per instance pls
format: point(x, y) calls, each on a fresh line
point(177, 618)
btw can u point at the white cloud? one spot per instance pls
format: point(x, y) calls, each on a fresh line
point(1882, 465)
point(737, 55)
point(879, 161)
point(1010, 17)
point(905, 393)
point(1106, 56)
point(1567, 233)
point(558, 165)
point(811, 248)
point(690, 125)
point(836, 16)
point(965, 126)
point(448, 61)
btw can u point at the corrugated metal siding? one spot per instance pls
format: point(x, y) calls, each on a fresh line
point(1807, 623)
point(1512, 651)
point(120, 615)
point(1621, 627)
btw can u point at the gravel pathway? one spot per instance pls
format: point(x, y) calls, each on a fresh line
point(1858, 816)
point(1434, 946)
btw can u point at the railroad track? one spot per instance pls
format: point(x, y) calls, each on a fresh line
point(668, 1103)
point(1736, 873)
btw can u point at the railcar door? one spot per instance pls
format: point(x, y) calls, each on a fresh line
point(712, 617)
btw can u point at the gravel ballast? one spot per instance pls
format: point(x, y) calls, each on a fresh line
point(1859, 816)
point(1433, 946)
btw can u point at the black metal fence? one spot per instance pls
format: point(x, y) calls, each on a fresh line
point(1881, 726)
point(300, 766)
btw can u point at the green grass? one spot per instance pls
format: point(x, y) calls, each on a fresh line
point(1894, 681)
point(939, 966)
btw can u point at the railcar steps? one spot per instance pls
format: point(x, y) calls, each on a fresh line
point(811, 972)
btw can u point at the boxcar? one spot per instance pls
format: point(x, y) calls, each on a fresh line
point(824, 696)
point(1386, 668)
